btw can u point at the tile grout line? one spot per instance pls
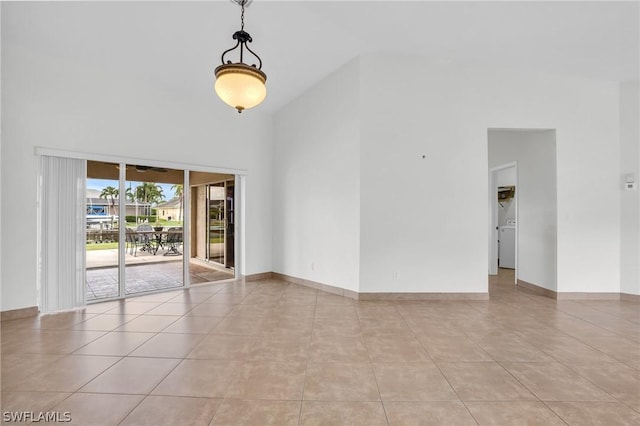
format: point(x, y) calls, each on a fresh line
point(616, 400)
point(521, 384)
point(438, 367)
point(181, 360)
point(304, 381)
point(211, 333)
point(530, 390)
point(375, 377)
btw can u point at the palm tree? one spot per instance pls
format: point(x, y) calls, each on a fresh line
point(149, 192)
point(179, 192)
point(110, 193)
point(128, 193)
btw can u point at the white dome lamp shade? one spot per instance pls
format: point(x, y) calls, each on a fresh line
point(239, 85)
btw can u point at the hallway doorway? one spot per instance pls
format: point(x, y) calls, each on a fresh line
point(534, 189)
point(503, 211)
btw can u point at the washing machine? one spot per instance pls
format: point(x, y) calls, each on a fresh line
point(507, 246)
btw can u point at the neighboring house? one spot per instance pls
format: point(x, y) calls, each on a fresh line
point(97, 206)
point(170, 210)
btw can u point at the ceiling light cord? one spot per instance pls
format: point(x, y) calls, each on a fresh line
point(242, 38)
point(242, 16)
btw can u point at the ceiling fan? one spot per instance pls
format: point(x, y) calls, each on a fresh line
point(143, 169)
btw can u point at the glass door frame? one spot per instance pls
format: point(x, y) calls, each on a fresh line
point(225, 236)
point(208, 256)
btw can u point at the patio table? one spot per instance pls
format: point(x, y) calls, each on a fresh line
point(154, 240)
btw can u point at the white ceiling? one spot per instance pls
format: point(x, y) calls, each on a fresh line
point(178, 44)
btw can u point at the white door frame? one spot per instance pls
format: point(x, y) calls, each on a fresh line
point(493, 218)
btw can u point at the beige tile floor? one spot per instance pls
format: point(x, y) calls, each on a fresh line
point(274, 353)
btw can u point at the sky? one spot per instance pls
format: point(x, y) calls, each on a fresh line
point(100, 184)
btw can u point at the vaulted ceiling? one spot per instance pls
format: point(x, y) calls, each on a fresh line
point(176, 45)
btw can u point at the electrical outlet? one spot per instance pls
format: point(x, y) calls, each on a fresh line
point(395, 275)
point(313, 266)
point(630, 182)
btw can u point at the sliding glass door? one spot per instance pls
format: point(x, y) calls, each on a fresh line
point(216, 225)
point(154, 228)
point(137, 223)
point(102, 225)
point(230, 225)
point(134, 229)
point(221, 223)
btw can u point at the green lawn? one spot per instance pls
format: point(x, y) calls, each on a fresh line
point(110, 246)
point(101, 246)
point(91, 245)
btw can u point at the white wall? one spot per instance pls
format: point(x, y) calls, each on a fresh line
point(535, 153)
point(630, 200)
point(505, 177)
point(423, 220)
point(62, 104)
point(316, 182)
point(433, 229)
point(1, 238)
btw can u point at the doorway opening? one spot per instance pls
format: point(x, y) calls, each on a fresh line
point(503, 205)
point(522, 168)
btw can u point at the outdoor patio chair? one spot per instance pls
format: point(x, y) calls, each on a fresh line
point(133, 240)
point(146, 238)
point(174, 241)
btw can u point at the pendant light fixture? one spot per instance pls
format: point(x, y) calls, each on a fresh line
point(240, 85)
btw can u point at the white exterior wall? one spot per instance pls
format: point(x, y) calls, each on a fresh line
point(57, 103)
point(316, 185)
point(535, 153)
point(630, 200)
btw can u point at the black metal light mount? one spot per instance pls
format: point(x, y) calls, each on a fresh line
point(243, 38)
point(238, 84)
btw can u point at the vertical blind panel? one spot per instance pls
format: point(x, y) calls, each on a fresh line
point(62, 235)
